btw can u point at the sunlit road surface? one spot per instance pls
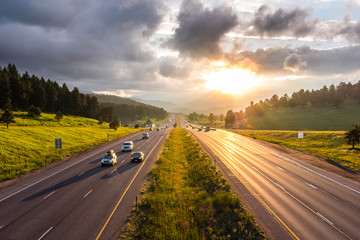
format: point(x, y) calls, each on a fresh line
point(292, 199)
point(79, 199)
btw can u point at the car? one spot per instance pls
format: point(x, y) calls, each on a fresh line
point(145, 135)
point(137, 157)
point(127, 146)
point(110, 158)
point(200, 129)
point(158, 129)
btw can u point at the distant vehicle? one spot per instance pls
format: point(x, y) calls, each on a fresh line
point(137, 157)
point(200, 129)
point(127, 146)
point(158, 129)
point(145, 135)
point(110, 158)
point(207, 129)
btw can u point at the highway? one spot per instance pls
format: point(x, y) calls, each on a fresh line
point(289, 198)
point(79, 199)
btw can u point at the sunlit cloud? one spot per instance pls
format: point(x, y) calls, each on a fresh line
point(121, 93)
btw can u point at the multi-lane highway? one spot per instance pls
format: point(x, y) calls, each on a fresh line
point(290, 198)
point(79, 199)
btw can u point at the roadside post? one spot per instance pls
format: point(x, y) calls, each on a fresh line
point(58, 145)
point(300, 136)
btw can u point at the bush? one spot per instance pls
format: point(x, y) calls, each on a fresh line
point(114, 124)
point(34, 111)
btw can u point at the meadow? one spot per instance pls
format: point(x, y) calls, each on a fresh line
point(187, 198)
point(29, 143)
point(329, 145)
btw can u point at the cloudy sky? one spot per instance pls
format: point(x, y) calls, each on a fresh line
point(188, 51)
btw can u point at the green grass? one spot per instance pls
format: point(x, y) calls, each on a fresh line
point(326, 144)
point(187, 198)
point(324, 118)
point(30, 143)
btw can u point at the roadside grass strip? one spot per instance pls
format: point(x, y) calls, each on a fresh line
point(30, 143)
point(326, 144)
point(187, 198)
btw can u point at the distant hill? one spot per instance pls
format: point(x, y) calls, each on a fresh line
point(128, 110)
point(117, 100)
point(316, 118)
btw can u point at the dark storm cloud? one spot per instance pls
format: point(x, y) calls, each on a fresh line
point(89, 40)
point(296, 22)
point(278, 61)
point(200, 29)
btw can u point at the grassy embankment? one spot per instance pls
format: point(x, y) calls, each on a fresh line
point(326, 144)
point(187, 198)
point(30, 143)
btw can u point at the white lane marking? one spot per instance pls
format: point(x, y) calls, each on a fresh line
point(81, 174)
point(123, 161)
point(311, 185)
point(41, 180)
point(324, 218)
point(88, 193)
point(332, 180)
point(49, 195)
point(280, 168)
point(300, 165)
point(2, 226)
point(45, 233)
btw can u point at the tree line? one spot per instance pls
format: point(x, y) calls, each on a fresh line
point(20, 92)
point(334, 96)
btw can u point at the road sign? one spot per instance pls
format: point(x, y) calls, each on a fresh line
point(300, 135)
point(58, 143)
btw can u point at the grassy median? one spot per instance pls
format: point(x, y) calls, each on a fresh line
point(187, 198)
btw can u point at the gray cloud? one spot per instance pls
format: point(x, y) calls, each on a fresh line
point(296, 22)
point(200, 29)
point(170, 67)
point(45, 13)
point(303, 60)
point(294, 63)
point(351, 31)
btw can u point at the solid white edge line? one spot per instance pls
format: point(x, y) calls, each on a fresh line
point(49, 195)
point(88, 193)
point(81, 174)
point(324, 218)
point(45, 233)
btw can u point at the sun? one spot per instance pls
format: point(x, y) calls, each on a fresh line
point(231, 80)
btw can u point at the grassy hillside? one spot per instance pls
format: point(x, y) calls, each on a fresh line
point(188, 199)
point(30, 142)
point(317, 119)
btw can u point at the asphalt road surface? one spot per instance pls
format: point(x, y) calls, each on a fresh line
point(289, 198)
point(79, 199)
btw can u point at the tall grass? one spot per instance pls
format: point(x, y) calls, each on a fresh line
point(326, 144)
point(188, 199)
point(30, 143)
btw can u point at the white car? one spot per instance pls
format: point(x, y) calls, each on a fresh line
point(127, 146)
point(110, 158)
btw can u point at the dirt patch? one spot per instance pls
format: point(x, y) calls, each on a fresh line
point(322, 163)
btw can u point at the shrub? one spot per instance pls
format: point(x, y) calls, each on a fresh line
point(34, 111)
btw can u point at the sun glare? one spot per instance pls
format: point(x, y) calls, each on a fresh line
point(231, 80)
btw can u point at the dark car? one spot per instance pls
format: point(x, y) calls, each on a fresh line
point(145, 135)
point(137, 157)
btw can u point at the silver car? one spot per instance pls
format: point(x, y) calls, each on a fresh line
point(110, 158)
point(127, 146)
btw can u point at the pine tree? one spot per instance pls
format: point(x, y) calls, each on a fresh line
point(353, 136)
point(7, 117)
